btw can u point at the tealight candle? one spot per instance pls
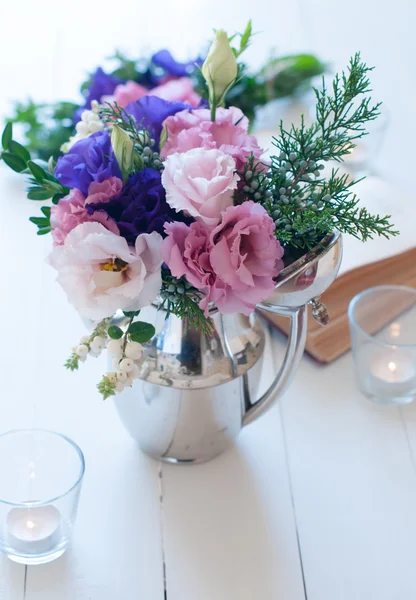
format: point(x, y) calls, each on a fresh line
point(391, 374)
point(40, 483)
point(383, 336)
point(34, 530)
point(393, 370)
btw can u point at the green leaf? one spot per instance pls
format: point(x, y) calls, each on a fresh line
point(130, 314)
point(39, 194)
point(46, 211)
point(52, 184)
point(56, 198)
point(115, 332)
point(141, 332)
point(6, 138)
point(14, 162)
point(245, 38)
point(44, 230)
point(40, 221)
point(19, 150)
point(37, 171)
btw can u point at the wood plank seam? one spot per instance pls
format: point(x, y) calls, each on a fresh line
point(292, 499)
point(24, 583)
point(162, 533)
point(409, 444)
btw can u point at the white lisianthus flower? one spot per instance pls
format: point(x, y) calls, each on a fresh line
point(90, 123)
point(220, 68)
point(200, 182)
point(101, 273)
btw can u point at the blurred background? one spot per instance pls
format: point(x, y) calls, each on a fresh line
point(48, 47)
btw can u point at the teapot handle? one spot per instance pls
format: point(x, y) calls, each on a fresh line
point(294, 351)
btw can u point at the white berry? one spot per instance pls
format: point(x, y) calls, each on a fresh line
point(126, 365)
point(114, 347)
point(112, 378)
point(134, 350)
point(115, 363)
point(128, 382)
point(82, 350)
point(119, 386)
point(97, 344)
point(121, 376)
point(85, 339)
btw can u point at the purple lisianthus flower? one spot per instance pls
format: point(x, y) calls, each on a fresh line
point(151, 111)
point(141, 207)
point(101, 84)
point(91, 159)
point(165, 60)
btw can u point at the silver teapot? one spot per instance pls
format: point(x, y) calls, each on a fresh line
point(196, 391)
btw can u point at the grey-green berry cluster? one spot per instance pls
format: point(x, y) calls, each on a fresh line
point(150, 157)
point(254, 183)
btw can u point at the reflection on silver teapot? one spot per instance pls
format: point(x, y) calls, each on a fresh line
point(197, 391)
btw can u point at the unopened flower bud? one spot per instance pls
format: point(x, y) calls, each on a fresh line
point(123, 149)
point(220, 68)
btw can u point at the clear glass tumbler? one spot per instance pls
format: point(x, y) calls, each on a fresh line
point(383, 334)
point(41, 475)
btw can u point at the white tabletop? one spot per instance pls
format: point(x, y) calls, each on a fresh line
point(317, 500)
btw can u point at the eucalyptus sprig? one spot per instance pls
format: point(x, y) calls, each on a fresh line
point(303, 203)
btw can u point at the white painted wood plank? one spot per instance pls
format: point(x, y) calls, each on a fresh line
point(354, 488)
point(228, 524)
point(15, 307)
point(117, 543)
point(12, 578)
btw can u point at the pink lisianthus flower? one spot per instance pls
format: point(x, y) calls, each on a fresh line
point(186, 252)
point(173, 90)
point(71, 210)
point(103, 191)
point(100, 273)
point(190, 129)
point(232, 265)
point(176, 90)
point(200, 182)
point(128, 92)
point(246, 256)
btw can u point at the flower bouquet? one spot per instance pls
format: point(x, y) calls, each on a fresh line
point(171, 202)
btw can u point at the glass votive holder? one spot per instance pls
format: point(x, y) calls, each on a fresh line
point(383, 335)
point(41, 475)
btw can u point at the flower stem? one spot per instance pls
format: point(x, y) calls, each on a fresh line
point(126, 335)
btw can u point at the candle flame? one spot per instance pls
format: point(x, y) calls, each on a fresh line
point(30, 524)
point(392, 366)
